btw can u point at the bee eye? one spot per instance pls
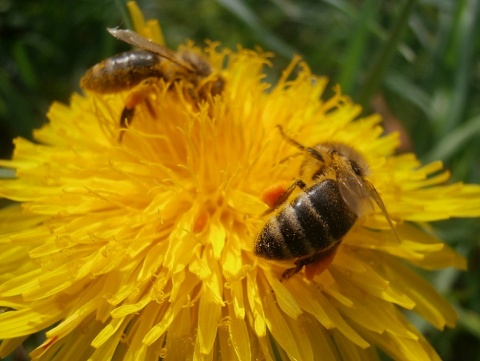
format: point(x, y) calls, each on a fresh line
point(356, 168)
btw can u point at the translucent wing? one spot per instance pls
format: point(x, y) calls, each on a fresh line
point(358, 194)
point(354, 192)
point(132, 38)
point(376, 197)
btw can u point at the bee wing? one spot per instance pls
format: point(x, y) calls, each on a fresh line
point(376, 197)
point(358, 194)
point(355, 193)
point(132, 38)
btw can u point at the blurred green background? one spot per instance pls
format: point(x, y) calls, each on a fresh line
point(415, 62)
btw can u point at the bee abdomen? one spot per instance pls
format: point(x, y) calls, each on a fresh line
point(328, 203)
point(316, 220)
point(122, 71)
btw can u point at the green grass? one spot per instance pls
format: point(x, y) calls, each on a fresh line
point(420, 58)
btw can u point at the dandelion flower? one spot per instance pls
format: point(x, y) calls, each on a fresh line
point(142, 249)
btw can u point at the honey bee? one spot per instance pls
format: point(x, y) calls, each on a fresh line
point(334, 195)
point(137, 71)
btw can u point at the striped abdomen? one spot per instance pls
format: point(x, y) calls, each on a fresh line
point(123, 71)
point(314, 221)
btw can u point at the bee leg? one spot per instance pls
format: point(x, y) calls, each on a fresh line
point(125, 120)
point(290, 140)
point(277, 194)
point(192, 93)
point(313, 152)
point(150, 108)
point(314, 264)
point(291, 272)
point(140, 93)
